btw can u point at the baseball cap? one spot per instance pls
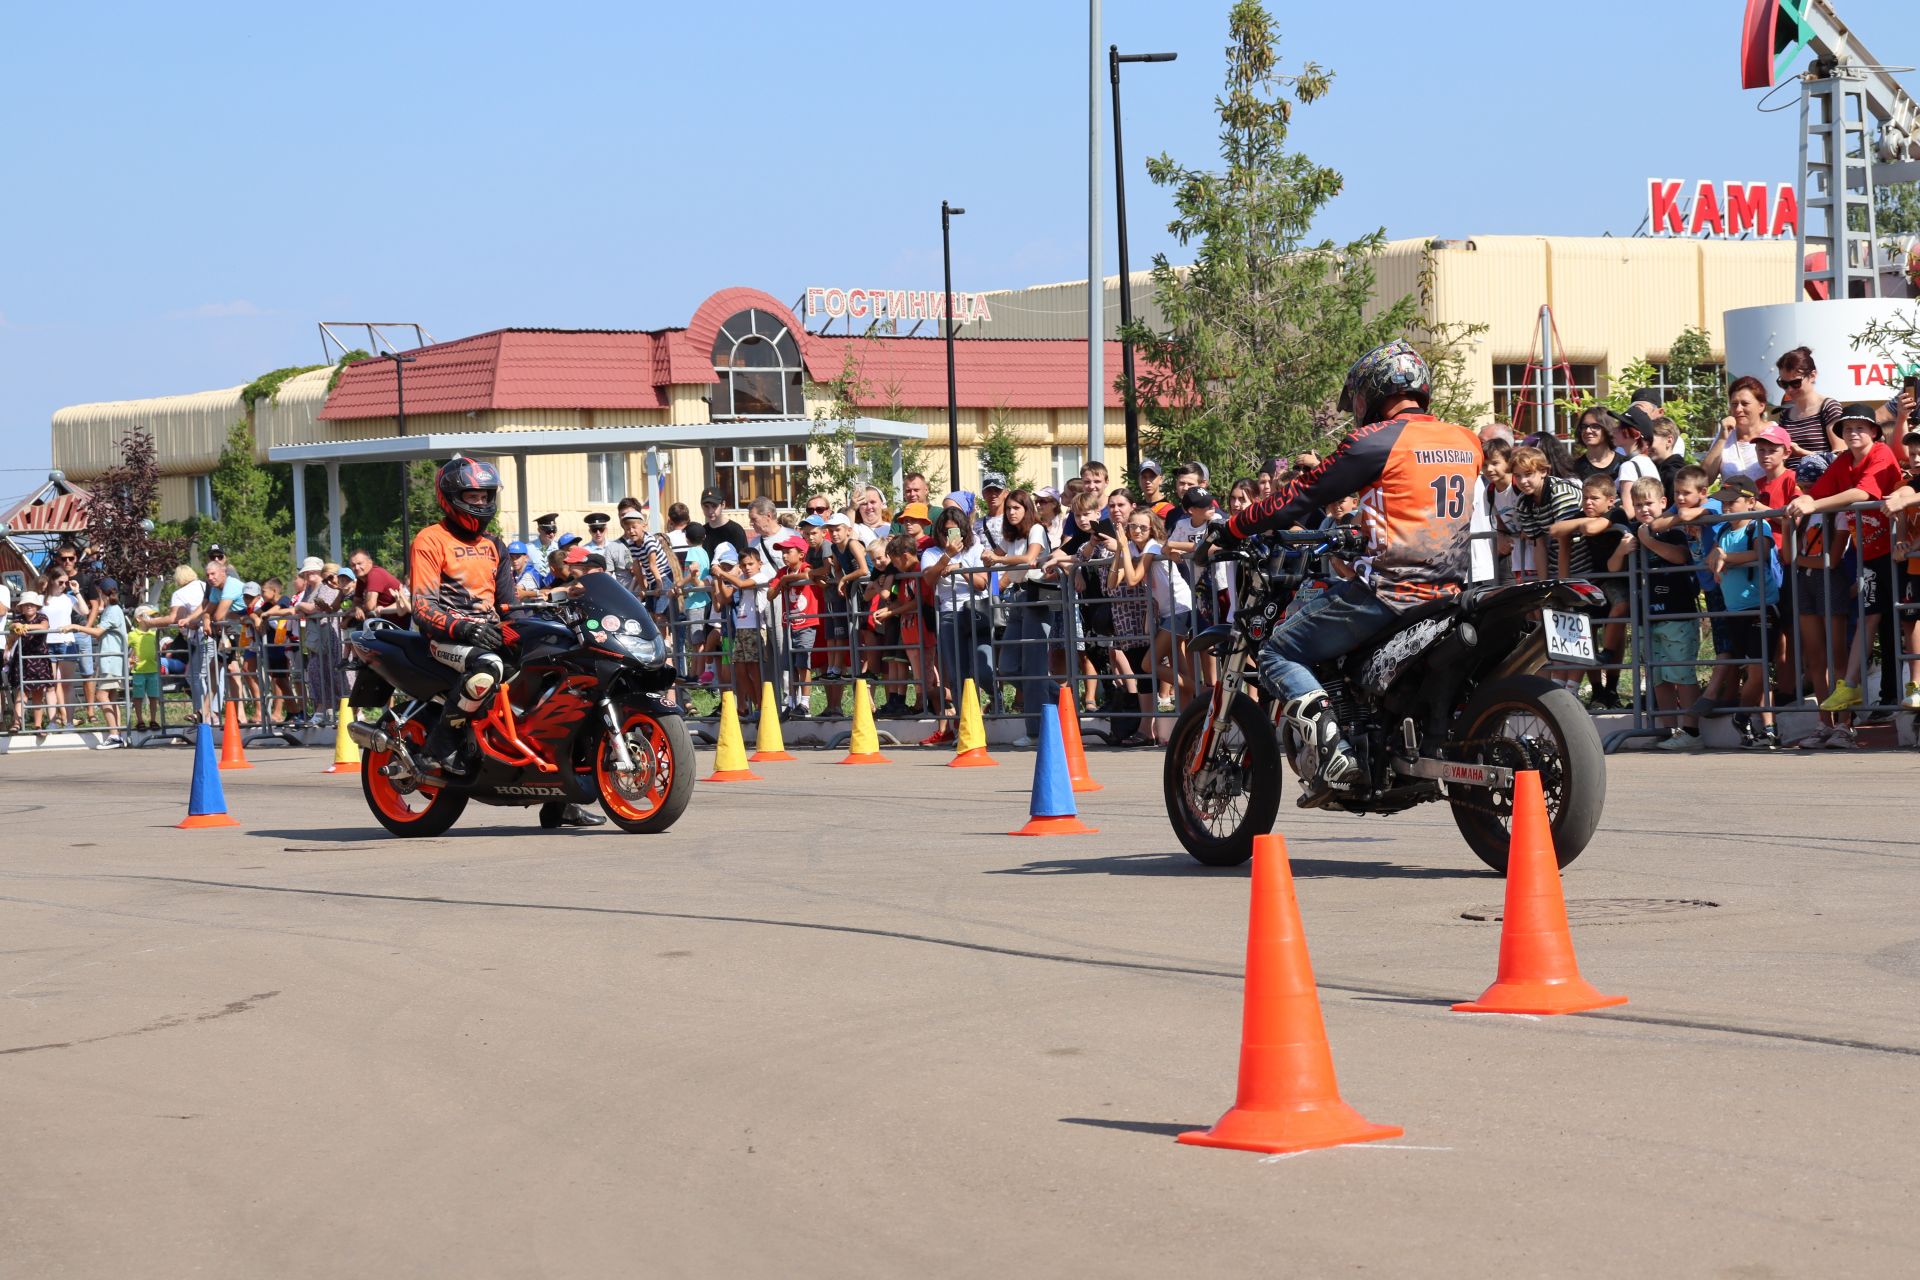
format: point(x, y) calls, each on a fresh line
point(517, 548)
point(1646, 395)
point(1048, 492)
point(246, 589)
point(839, 518)
point(312, 564)
point(216, 552)
point(113, 584)
point(814, 522)
point(1775, 435)
point(576, 554)
point(1197, 498)
point(711, 497)
point(1637, 420)
point(792, 542)
point(345, 572)
point(632, 513)
point(1148, 464)
point(568, 539)
point(916, 511)
point(992, 480)
point(1738, 486)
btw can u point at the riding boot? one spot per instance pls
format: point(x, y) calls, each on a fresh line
point(449, 745)
point(557, 813)
point(1312, 719)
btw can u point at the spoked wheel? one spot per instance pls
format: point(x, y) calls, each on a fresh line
point(1234, 795)
point(654, 795)
point(421, 811)
point(1529, 722)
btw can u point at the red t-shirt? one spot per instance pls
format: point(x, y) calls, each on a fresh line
point(1877, 475)
point(377, 590)
point(1775, 493)
point(802, 599)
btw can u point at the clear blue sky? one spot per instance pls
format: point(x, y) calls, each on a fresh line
point(190, 188)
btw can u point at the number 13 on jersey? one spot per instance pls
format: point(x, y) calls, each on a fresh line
point(1449, 496)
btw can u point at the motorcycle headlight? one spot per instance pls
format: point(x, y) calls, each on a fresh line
point(642, 649)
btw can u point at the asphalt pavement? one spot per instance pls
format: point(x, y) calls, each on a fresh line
point(837, 1023)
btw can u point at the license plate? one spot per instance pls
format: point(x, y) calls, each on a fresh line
point(1569, 637)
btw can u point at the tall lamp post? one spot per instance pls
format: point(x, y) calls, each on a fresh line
point(406, 467)
point(947, 214)
point(1114, 59)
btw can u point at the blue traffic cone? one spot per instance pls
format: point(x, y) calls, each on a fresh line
point(1052, 811)
point(206, 803)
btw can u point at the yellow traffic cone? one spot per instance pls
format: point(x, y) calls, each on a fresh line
point(865, 746)
point(346, 752)
point(970, 748)
point(767, 744)
point(730, 753)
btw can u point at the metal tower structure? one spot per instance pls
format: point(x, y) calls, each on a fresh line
point(1845, 93)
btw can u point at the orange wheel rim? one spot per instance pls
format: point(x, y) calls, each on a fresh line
point(391, 801)
point(614, 794)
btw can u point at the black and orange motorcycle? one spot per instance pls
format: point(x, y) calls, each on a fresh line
point(586, 714)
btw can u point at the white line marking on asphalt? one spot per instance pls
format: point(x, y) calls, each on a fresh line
point(1352, 1146)
point(1476, 1013)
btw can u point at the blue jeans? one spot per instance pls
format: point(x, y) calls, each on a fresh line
point(1023, 655)
point(1334, 622)
point(965, 644)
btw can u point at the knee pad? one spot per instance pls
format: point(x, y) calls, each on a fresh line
point(483, 675)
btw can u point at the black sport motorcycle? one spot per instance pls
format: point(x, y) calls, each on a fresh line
point(585, 714)
point(1448, 704)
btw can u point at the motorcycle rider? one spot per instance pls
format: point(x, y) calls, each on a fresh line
point(1417, 479)
point(461, 579)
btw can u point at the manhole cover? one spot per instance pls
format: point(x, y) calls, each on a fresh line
point(1604, 910)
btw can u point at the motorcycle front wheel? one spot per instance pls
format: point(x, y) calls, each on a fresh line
point(1529, 722)
point(654, 796)
point(1234, 795)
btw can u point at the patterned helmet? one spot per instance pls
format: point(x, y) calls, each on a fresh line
point(458, 476)
point(1385, 373)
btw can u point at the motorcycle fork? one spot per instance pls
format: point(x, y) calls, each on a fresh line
point(616, 737)
point(1225, 689)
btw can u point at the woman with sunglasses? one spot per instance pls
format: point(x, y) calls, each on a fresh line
point(1810, 419)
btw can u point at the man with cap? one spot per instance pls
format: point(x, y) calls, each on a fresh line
point(1633, 435)
point(1865, 471)
point(987, 525)
point(546, 536)
point(719, 527)
point(1150, 484)
point(619, 559)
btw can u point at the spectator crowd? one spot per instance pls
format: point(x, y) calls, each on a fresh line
point(1779, 561)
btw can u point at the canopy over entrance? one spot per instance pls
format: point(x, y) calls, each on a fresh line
point(520, 445)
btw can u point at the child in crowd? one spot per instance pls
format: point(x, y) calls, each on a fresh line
point(1496, 471)
point(802, 602)
point(1544, 501)
point(143, 651)
point(896, 623)
point(1774, 488)
point(1745, 570)
point(1607, 531)
point(1693, 512)
point(747, 581)
point(1671, 645)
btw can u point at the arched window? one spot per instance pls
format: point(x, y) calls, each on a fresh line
point(758, 363)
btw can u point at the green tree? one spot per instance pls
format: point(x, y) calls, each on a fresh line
point(1261, 329)
point(1696, 397)
point(253, 528)
point(1000, 447)
point(840, 463)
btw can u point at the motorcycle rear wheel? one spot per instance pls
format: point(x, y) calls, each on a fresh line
point(1529, 722)
point(424, 811)
point(668, 752)
point(1219, 830)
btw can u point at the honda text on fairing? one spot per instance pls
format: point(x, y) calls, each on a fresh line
point(586, 713)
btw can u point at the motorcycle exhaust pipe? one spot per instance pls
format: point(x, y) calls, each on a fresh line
point(369, 737)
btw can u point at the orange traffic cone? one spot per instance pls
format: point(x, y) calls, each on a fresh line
point(767, 743)
point(970, 744)
point(1288, 1098)
point(730, 752)
point(233, 754)
point(1538, 973)
point(1070, 737)
point(863, 745)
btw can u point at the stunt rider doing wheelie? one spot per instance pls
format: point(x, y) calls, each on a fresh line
point(461, 579)
point(1418, 483)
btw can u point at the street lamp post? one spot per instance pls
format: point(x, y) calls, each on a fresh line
point(406, 468)
point(947, 215)
point(1114, 59)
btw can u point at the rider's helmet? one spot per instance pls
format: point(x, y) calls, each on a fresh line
point(456, 478)
point(1389, 372)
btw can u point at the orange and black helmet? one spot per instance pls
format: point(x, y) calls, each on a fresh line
point(458, 476)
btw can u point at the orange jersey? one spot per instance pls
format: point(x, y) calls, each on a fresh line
point(454, 580)
point(1417, 479)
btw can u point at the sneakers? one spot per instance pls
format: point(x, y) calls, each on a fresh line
point(1815, 740)
point(1842, 738)
point(938, 738)
point(1683, 743)
point(1843, 697)
point(1022, 742)
point(1912, 700)
point(1768, 740)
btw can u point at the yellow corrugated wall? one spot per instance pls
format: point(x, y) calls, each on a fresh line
point(189, 431)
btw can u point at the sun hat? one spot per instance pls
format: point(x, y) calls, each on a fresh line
point(312, 564)
point(916, 511)
point(31, 597)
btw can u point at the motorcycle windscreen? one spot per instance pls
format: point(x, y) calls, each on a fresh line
point(605, 596)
